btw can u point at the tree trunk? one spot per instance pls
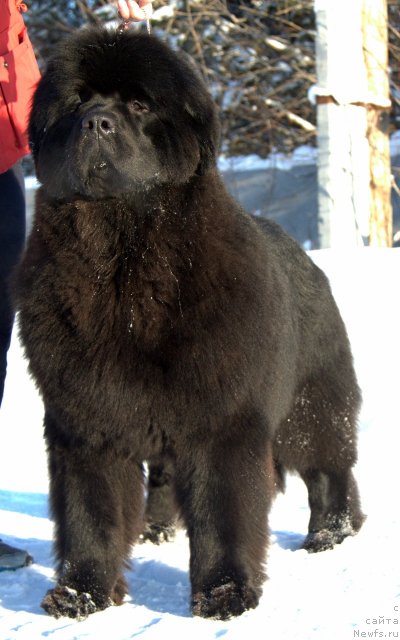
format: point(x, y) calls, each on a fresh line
point(354, 175)
point(343, 166)
point(375, 47)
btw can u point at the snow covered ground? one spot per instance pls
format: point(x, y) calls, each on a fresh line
point(350, 592)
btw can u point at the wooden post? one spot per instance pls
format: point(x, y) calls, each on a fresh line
point(352, 111)
point(375, 48)
point(343, 164)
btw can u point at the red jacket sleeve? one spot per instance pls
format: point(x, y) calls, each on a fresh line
point(19, 74)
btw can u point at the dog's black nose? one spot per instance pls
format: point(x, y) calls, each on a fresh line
point(97, 122)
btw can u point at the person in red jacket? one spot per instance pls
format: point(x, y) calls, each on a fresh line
point(19, 75)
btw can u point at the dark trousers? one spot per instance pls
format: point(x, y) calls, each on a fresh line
point(12, 238)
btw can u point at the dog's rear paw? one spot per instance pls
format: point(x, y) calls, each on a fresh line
point(326, 539)
point(157, 533)
point(225, 601)
point(64, 601)
point(319, 541)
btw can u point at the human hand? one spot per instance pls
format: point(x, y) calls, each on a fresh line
point(130, 10)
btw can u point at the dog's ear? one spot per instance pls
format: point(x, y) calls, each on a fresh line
point(205, 122)
point(44, 109)
point(204, 116)
point(38, 118)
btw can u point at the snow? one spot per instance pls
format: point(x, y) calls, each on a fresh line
point(303, 155)
point(335, 595)
point(31, 182)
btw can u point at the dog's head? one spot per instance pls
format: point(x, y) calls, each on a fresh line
point(116, 112)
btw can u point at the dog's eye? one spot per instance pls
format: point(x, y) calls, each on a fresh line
point(84, 95)
point(137, 107)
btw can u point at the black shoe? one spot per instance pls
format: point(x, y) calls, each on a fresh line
point(13, 558)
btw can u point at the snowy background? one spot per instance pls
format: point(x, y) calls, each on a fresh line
point(335, 595)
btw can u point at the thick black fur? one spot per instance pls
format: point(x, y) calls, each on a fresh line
point(162, 324)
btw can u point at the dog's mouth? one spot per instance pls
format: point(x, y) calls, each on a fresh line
point(93, 176)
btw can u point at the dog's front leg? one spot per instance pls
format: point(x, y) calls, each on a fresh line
point(95, 523)
point(224, 497)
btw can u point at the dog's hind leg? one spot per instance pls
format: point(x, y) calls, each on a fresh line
point(161, 516)
point(335, 508)
point(319, 440)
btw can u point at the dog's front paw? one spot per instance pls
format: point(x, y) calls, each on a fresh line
point(225, 601)
point(64, 601)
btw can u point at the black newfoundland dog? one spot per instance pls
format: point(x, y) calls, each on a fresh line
point(163, 324)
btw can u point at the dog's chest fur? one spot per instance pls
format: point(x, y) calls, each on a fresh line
point(118, 278)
